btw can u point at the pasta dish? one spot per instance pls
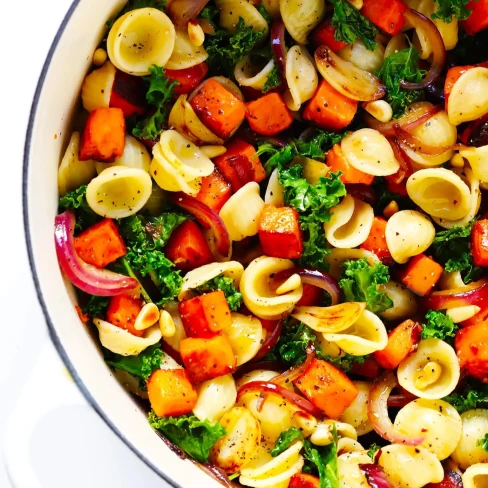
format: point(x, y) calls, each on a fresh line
point(274, 214)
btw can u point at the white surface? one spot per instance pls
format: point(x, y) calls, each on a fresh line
point(70, 444)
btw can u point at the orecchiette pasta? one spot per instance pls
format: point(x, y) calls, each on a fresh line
point(409, 466)
point(440, 193)
point(300, 17)
point(215, 398)
point(469, 451)
point(478, 160)
point(350, 223)
point(232, 10)
point(338, 256)
point(119, 191)
point(350, 475)
point(139, 39)
point(185, 54)
point(395, 44)
point(312, 170)
point(476, 476)
point(242, 211)
point(135, 156)
point(432, 371)
point(369, 151)
point(274, 191)
point(404, 301)
point(363, 58)
point(97, 87)
point(357, 413)
point(401, 228)
point(436, 421)
point(245, 336)
point(272, 7)
point(346, 445)
point(72, 173)
point(249, 74)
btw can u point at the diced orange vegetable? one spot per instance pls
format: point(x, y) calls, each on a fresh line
point(122, 312)
point(386, 14)
point(268, 115)
point(330, 109)
point(479, 243)
point(312, 296)
point(188, 79)
point(103, 137)
point(376, 241)
point(327, 387)
point(397, 188)
point(402, 340)
point(471, 345)
point(303, 480)
point(473, 130)
point(453, 74)
point(337, 162)
point(170, 393)
point(324, 34)
point(240, 165)
point(83, 316)
point(205, 315)
point(100, 244)
point(187, 247)
point(205, 359)
point(219, 109)
point(279, 232)
point(129, 94)
point(421, 274)
point(215, 191)
point(478, 20)
point(369, 369)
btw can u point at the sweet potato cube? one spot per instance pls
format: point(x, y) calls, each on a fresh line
point(129, 94)
point(205, 359)
point(205, 315)
point(376, 241)
point(122, 312)
point(215, 191)
point(280, 233)
point(421, 274)
point(103, 137)
point(327, 387)
point(471, 345)
point(269, 115)
point(350, 175)
point(479, 242)
point(304, 480)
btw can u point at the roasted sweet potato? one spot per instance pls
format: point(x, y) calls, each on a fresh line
point(337, 162)
point(421, 274)
point(386, 14)
point(479, 243)
point(129, 94)
point(215, 191)
point(472, 350)
point(303, 480)
point(324, 34)
point(122, 312)
point(478, 20)
point(376, 241)
point(268, 115)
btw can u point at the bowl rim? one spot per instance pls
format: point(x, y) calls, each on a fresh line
point(30, 253)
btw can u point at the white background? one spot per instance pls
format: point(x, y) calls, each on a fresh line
point(70, 447)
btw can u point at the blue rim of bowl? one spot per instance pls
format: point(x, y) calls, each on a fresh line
point(32, 264)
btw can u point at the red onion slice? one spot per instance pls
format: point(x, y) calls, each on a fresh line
point(182, 11)
point(278, 45)
point(405, 169)
point(375, 475)
point(270, 341)
point(362, 192)
point(409, 141)
point(99, 282)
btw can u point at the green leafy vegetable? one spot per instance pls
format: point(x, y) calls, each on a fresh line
point(135, 4)
point(350, 24)
point(373, 449)
point(196, 437)
point(360, 282)
point(285, 440)
point(474, 395)
point(96, 307)
point(76, 201)
point(234, 298)
point(438, 325)
point(262, 10)
point(316, 147)
point(483, 442)
point(447, 9)
point(159, 94)
point(402, 65)
point(273, 80)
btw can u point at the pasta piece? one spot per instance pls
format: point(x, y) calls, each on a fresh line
point(369, 151)
point(197, 277)
point(409, 466)
point(119, 192)
point(440, 192)
point(274, 191)
point(436, 421)
point(185, 54)
point(215, 398)
point(130, 382)
point(73, 173)
point(379, 109)
point(272, 7)
point(135, 156)
point(139, 39)
point(404, 301)
point(476, 476)
point(312, 170)
point(363, 58)
point(468, 451)
point(248, 74)
point(245, 336)
point(346, 445)
point(450, 280)
point(231, 10)
point(395, 44)
point(242, 211)
point(229, 85)
point(197, 130)
point(357, 413)
point(180, 334)
point(366, 335)
point(168, 363)
point(121, 342)
point(350, 475)
point(97, 87)
point(237, 447)
point(256, 291)
point(301, 77)
point(432, 371)
point(350, 223)
point(338, 256)
point(400, 229)
point(469, 96)
point(213, 151)
point(301, 18)
point(478, 160)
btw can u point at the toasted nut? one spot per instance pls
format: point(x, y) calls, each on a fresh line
point(390, 209)
point(292, 283)
point(305, 422)
point(213, 151)
point(147, 317)
point(457, 161)
point(430, 373)
point(321, 436)
point(379, 109)
point(195, 33)
point(167, 324)
point(99, 57)
point(460, 314)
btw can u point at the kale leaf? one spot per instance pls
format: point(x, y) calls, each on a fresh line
point(195, 437)
point(285, 440)
point(483, 442)
point(360, 281)
point(159, 94)
point(474, 395)
point(447, 9)
point(133, 5)
point(373, 449)
point(318, 144)
point(226, 284)
point(273, 80)
point(96, 307)
point(401, 65)
point(76, 201)
point(439, 326)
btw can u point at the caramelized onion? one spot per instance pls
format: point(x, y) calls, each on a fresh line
point(375, 475)
point(431, 31)
point(362, 192)
point(405, 163)
point(409, 141)
point(271, 339)
point(182, 11)
point(278, 45)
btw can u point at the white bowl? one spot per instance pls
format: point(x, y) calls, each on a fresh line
point(56, 101)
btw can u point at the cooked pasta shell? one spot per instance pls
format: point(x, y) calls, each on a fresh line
point(350, 475)
point(139, 39)
point(363, 58)
point(312, 170)
point(185, 54)
point(408, 233)
point(395, 44)
point(130, 382)
point(404, 301)
point(346, 445)
point(245, 336)
point(478, 160)
point(215, 397)
point(122, 342)
point(72, 172)
point(476, 476)
point(97, 87)
point(119, 192)
point(232, 10)
point(248, 74)
point(272, 7)
point(301, 18)
point(180, 334)
point(357, 413)
point(198, 131)
point(274, 191)
point(338, 256)
point(135, 156)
